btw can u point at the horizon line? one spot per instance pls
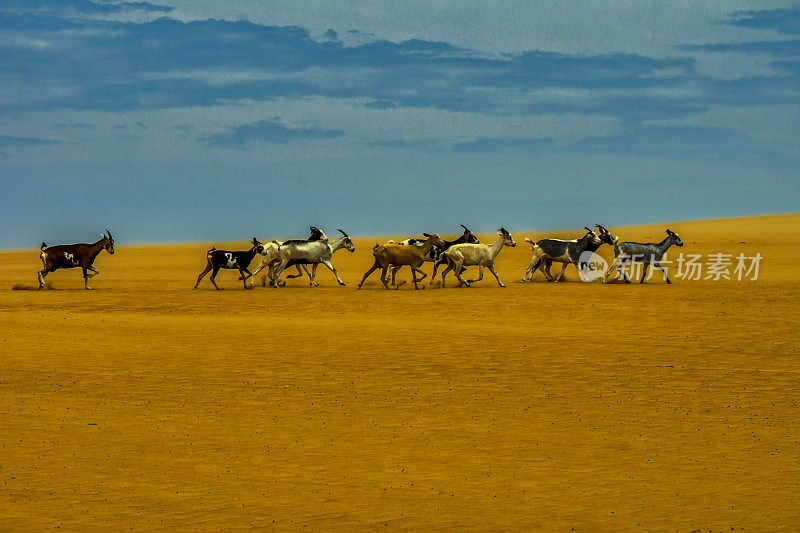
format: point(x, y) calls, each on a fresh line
point(389, 236)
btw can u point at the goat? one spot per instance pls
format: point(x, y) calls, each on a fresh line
point(546, 251)
point(271, 257)
point(647, 253)
point(310, 253)
point(217, 259)
point(482, 255)
point(74, 255)
point(436, 255)
point(387, 255)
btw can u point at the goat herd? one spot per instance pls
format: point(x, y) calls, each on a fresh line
point(457, 254)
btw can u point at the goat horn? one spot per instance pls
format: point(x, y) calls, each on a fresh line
point(465, 228)
point(343, 233)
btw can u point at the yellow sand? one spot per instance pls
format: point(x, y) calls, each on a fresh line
point(147, 405)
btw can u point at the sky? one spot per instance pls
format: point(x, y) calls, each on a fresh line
point(177, 120)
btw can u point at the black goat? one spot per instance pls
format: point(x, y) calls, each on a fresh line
point(547, 251)
point(226, 259)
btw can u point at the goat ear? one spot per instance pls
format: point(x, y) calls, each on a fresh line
point(426, 234)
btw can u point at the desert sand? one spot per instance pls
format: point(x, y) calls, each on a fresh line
point(542, 406)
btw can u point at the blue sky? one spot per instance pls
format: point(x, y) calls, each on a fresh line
point(182, 121)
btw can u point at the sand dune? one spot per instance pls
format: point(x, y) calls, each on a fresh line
point(144, 404)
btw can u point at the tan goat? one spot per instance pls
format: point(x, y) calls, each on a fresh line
point(387, 255)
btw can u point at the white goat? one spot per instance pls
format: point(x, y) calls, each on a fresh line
point(271, 257)
point(310, 253)
point(482, 255)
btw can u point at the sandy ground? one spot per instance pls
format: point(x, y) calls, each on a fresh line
point(542, 406)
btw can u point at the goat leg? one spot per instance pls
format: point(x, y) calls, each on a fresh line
point(491, 269)
point(202, 274)
point(366, 275)
point(213, 276)
point(86, 279)
point(480, 274)
point(42, 274)
point(383, 277)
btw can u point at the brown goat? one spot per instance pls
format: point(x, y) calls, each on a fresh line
point(74, 255)
point(387, 255)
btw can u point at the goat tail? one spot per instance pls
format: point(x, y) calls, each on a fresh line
point(537, 250)
point(533, 244)
point(277, 243)
point(377, 245)
point(210, 251)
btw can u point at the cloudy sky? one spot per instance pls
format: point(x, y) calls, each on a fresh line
point(179, 120)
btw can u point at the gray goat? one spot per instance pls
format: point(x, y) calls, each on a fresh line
point(636, 252)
